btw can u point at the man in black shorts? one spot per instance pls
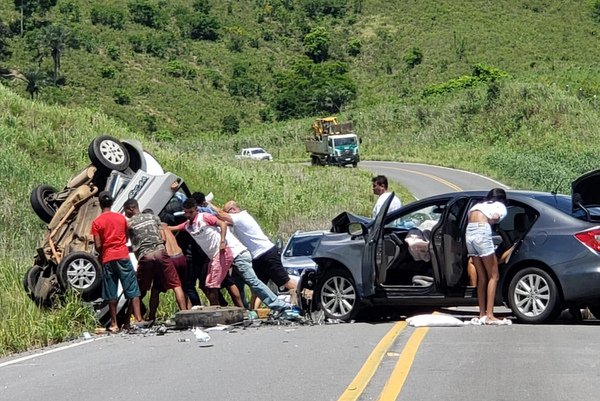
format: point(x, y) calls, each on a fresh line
point(266, 259)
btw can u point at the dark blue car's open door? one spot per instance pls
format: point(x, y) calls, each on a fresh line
point(449, 259)
point(372, 258)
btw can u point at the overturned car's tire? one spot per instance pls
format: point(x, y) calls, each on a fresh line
point(80, 271)
point(30, 279)
point(41, 202)
point(108, 153)
point(336, 295)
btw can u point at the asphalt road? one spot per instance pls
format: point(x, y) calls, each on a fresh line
point(325, 362)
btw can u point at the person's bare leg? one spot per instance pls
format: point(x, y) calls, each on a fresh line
point(112, 308)
point(135, 306)
point(481, 284)
point(234, 293)
point(212, 294)
point(180, 298)
point(472, 273)
point(255, 302)
point(491, 267)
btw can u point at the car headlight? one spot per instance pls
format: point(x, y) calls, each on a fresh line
point(294, 271)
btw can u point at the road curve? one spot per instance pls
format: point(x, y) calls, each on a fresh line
point(423, 180)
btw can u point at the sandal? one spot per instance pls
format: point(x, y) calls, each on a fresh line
point(113, 330)
point(499, 322)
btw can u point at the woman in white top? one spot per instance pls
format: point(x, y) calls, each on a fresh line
point(480, 247)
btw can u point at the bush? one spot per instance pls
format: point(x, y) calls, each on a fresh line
point(354, 47)
point(237, 38)
point(334, 8)
point(157, 44)
point(413, 58)
point(481, 74)
point(596, 11)
point(145, 13)
point(107, 72)
point(230, 125)
point(122, 97)
point(70, 9)
point(114, 52)
point(202, 27)
point(179, 69)
point(108, 15)
point(215, 78)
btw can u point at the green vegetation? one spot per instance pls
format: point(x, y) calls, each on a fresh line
point(446, 82)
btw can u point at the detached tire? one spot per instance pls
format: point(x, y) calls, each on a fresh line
point(108, 153)
point(41, 203)
point(533, 296)
point(337, 296)
point(80, 271)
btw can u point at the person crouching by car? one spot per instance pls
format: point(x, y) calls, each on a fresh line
point(480, 247)
point(109, 231)
point(156, 271)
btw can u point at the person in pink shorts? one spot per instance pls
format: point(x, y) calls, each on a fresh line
point(209, 232)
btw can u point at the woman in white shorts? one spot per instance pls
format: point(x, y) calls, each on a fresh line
point(480, 248)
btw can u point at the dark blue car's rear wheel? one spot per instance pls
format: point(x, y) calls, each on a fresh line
point(337, 295)
point(533, 296)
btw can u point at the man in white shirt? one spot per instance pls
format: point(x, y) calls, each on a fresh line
point(266, 259)
point(380, 188)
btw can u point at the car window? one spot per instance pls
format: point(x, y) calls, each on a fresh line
point(424, 218)
point(256, 151)
point(301, 246)
point(172, 213)
point(564, 204)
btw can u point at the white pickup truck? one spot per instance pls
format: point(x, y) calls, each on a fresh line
point(254, 154)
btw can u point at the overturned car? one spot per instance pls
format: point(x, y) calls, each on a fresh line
point(66, 257)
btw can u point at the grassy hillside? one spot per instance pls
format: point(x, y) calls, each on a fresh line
point(159, 80)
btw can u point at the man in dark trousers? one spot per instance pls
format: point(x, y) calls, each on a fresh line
point(155, 268)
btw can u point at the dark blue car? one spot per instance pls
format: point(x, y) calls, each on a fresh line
point(416, 256)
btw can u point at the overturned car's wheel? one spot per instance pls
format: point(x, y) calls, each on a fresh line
point(30, 279)
point(533, 296)
point(80, 271)
point(108, 153)
point(42, 202)
point(336, 295)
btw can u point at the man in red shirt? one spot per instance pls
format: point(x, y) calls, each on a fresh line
point(110, 238)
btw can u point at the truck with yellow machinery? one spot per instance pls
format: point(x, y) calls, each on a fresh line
point(333, 143)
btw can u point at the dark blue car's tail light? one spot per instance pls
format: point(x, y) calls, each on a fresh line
point(590, 238)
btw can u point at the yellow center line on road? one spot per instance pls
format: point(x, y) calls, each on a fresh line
point(362, 378)
point(433, 177)
point(392, 388)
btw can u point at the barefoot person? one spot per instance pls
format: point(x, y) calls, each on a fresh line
point(480, 247)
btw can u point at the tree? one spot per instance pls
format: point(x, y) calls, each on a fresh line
point(28, 7)
point(316, 43)
point(55, 38)
point(34, 78)
point(5, 52)
point(308, 89)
